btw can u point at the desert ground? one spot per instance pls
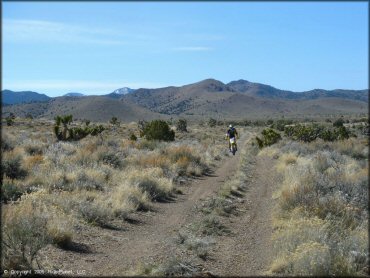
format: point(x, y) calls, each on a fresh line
point(292, 201)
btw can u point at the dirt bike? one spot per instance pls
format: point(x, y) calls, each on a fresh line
point(233, 145)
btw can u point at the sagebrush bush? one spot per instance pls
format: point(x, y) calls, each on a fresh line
point(10, 192)
point(25, 232)
point(111, 159)
point(322, 201)
point(7, 142)
point(95, 211)
point(12, 168)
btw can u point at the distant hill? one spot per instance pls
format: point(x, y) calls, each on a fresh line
point(94, 108)
point(11, 97)
point(74, 95)
point(211, 97)
point(261, 90)
point(204, 99)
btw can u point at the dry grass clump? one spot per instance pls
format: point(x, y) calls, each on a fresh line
point(150, 181)
point(321, 227)
point(187, 163)
point(155, 160)
point(28, 227)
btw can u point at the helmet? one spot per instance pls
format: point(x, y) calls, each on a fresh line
point(230, 125)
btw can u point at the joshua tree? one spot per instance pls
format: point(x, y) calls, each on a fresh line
point(65, 121)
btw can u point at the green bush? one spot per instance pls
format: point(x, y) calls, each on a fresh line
point(338, 123)
point(269, 137)
point(133, 137)
point(158, 130)
point(280, 124)
point(181, 125)
point(10, 192)
point(114, 121)
point(312, 132)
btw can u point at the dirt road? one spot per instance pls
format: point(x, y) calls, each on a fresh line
point(150, 238)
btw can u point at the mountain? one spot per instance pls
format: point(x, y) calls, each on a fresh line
point(120, 92)
point(94, 108)
point(11, 97)
point(74, 95)
point(239, 99)
point(211, 96)
point(266, 91)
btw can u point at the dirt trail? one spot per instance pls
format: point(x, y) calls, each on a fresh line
point(248, 251)
point(150, 238)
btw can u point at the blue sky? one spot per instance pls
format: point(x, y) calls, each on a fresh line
point(97, 47)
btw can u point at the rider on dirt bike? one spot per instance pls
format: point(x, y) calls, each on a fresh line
point(232, 133)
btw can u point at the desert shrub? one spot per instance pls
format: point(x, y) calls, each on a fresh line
point(151, 182)
point(181, 125)
point(148, 144)
point(86, 122)
point(199, 245)
point(95, 211)
point(11, 167)
point(141, 125)
point(338, 123)
point(321, 225)
point(114, 121)
point(211, 225)
point(212, 122)
point(34, 148)
point(95, 130)
point(126, 198)
point(280, 124)
point(175, 268)
point(269, 137)
point(177, 153)
point(111, 159)
point(133, 137)
point(29, 116)
point(303, 133)
point(186, 162)
point(24, 234)
point(158, 130)
point(10, 119)
point(6, 143)
point(90, 179)
point(10, 192)
point(311, 133)
point(342, 133)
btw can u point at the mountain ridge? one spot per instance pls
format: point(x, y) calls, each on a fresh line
point(206, 98)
